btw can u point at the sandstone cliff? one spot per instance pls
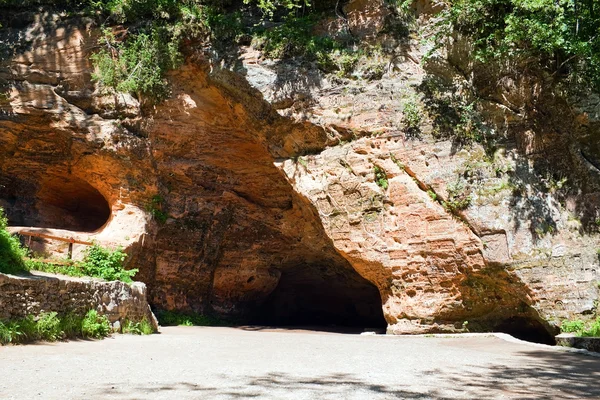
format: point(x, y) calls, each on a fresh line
point(286, 195)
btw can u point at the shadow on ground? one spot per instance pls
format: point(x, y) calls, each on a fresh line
point(546, 375)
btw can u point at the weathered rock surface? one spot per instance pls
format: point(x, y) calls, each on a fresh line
point(278, 215)
point(120, 302)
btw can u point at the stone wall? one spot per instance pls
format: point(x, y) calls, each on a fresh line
point(20, 296)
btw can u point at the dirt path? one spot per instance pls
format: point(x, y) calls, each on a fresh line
point(227, 363)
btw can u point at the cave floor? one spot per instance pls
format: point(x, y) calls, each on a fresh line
point(228, 363)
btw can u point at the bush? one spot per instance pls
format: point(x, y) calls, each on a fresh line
point(138, 328)
point(106, 264)
point(563, 34)
point(94, 325)
point(11, 252)
point(48, 327)
point(51, 327)
point(138, 65)
point(579, 328)
point(458, 196)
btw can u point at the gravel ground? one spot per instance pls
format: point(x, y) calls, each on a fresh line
point(230, 363)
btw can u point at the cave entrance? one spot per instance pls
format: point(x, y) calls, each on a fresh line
point(323, 298)
point(528, 329)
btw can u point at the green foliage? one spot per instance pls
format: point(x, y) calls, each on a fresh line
point(99, 262)
point(269, 7)
point(176, 318)
point(412, 118)
point(138, 328)
point(580, 328)
point(295, 38)
point(453, 114)
point(67, 268)
point(138, 65)
point(106, 264)
point(11, 252)
point(458, 196)
point(155, 208)
point(70, 324)
point(561, 33)
point(94, 325)
point(381, 177)
point(411, 115)
point(432, 195)
point(51, 327)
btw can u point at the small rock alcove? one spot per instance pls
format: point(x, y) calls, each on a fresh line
point(319, 296)
point(72, 204)
point(60, 202)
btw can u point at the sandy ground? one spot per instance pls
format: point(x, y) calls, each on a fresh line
point(228, 363)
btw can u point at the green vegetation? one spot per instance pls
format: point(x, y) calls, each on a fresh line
point(580, 328)
point(458, 196)
point(138, 328)
point(51, 327)
point(453, 114)
point(95, 325)
point(137, 66)
point(98, 262)
point(155, 208)
point(381, 177)
point(11, 251)
point(562, 34)
point(411, 118)
point(176, 318)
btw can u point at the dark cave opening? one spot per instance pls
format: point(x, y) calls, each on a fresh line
point(324, 298)
point(527, 329)
point(61, 203)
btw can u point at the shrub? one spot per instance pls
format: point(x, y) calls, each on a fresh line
point(458, 196)
point(11, 251)
point(138, 328)
point(380, 177)
point(155, 208)
point(563, 34)
point(70, 324)
point(94, 325)
point(137, 65)
point(49, 327)
point(411, 115)
point(106, 264)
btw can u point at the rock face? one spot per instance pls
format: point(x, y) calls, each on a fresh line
point(120, 302)
point(325, 211)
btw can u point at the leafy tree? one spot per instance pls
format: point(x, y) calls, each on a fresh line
point(563, 34)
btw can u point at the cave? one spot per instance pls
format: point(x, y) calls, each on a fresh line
point(323, 297)
point(528, 329)
point(58, 202)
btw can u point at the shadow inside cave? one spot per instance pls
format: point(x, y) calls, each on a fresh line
point(324, 298)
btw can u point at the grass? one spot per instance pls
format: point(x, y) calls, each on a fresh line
point(50, 326)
